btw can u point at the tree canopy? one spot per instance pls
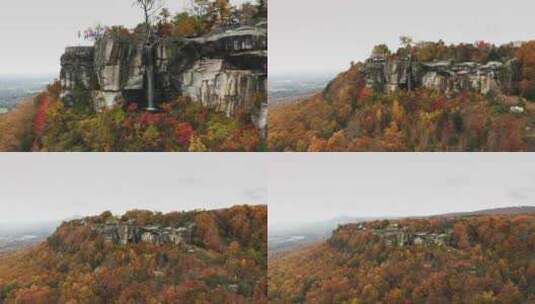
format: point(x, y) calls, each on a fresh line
point(225, 262)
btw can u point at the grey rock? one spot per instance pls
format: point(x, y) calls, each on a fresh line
point(118, 64)
point(394, 235)
point(233, 288)
point(225, 71)
point(130, 233)
point(391, 75)
point(209, 83)
point(77, 70)
point(517, 109)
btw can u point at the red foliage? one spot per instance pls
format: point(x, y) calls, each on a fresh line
point(40, 116)
point(438, 104)
point(364, 93)
point(183, 133)
point(132, 107)
point(148, 119)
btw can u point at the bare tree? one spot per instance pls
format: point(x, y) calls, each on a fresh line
point(150, 8)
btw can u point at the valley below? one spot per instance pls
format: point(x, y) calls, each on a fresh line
point(16, 88)
point(14, 237)
point(288, 88)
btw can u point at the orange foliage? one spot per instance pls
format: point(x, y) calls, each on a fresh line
point(16, 127)
point(489, 259)
point(349, 117)
point(77, 265)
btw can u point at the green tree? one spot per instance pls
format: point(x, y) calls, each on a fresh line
point(381, 50)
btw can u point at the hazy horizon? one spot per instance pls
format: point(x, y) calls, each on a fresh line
point(40, 188)
point(35, 33)
point(324, 37)
point(309, 188)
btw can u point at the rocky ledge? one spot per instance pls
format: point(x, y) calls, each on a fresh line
point(123, 233)
point(225, 71)
point(395, 235)
point(393, 74)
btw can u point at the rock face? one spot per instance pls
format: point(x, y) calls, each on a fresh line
point(394, 235)
point(391, 75)
point(77, 67)
point(214, 87)
point(226, 71)
point(130, 233)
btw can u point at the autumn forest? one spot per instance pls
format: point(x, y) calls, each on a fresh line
point(215, 256)
point(354, 113)
point(473, 259)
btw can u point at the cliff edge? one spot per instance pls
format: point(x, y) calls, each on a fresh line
point(225, 71)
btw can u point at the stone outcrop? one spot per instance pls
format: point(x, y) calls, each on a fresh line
point(394, 235)
point(130, 233)
point(77, 70)
point(226, 71)
point(391, 75)
point(214, 87)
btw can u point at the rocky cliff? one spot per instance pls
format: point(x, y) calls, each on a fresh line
point(225, 71)
point(393, 74)
point(396, 235)
point(123, 233)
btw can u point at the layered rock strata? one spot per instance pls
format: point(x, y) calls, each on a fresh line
point(130, 233)
point(225, 71)
point(391, 75)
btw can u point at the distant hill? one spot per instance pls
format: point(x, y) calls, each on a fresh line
point(480, 258)
point(217, 256)
point(495, 211)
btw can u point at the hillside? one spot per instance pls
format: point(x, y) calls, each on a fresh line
point(474, 259)
point(16, 126)
point(181, 125)
point(144, 257)
point(495, 211)
point(426, 96)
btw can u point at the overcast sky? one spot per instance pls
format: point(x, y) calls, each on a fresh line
point(316, 36)
point(42, 187)
point(34, 33)
point(318, 187)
